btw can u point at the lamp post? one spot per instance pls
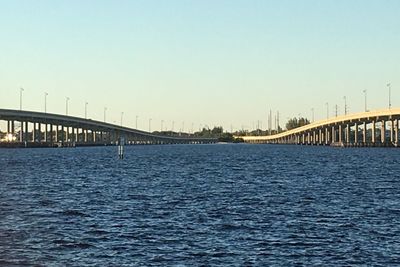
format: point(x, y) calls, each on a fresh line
point(45, 102)
point(365, 100)
point(66, 105)
point(345, 105)
point(390, 95)
point(86, 104)
point(20, 97)
point(150, 125)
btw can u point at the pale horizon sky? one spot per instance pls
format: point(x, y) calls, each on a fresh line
point(214, 63)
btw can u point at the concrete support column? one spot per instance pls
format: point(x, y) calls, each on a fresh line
point(21, 132)
point(45, 133)
point(51, 134)
point(391, 130)
point(8, 127)
point(373, 132)
point(66, 134)
point(396, 131)
point(340, 133)
point(308, 138)
point(13, 127)
point(356, 133)
point(85, 136)
point(56, 134)
point(326, 136)
point(76, 131)
point(34, 132)
point(364, 132)
point(348, 134)
point(94, 136)
point(320, 136)
point(26, 131)
point(383, 131)
point(333, 137)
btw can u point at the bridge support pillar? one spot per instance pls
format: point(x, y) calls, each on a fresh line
point(8, 127)
point(340, 133)
point(348, 141)
point(51, 133)
point(396, 132)
point(391, 130)
point(320, 136)
point(34, 132)
point(383, 131)
point(21, 132)
point(356, 133)
point(373, 132)
point(13, 127)
point(26, 132)
point(364, 133)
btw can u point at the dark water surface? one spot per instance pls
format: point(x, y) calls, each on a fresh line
point(200, 205)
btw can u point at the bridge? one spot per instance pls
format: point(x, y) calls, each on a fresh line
point(37, 129)
point(373, 128)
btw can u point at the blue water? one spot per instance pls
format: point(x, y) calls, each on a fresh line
point(200, 205)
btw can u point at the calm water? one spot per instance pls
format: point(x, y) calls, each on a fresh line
point(200, 205)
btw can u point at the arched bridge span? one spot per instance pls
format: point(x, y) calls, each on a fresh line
point(373, 128)
point(29, 128)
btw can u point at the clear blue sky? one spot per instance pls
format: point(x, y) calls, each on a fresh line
point(202, 62)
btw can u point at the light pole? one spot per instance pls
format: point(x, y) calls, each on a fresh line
point(45, 102)
point(122, 116)
point(365, 100)
point(345, 105)
point(327, 110)
point(66, 105)
point(150, 125)
point(105, 110)
point(136, 121)
point(20, 97)
point(390, 95)
point(86, 104)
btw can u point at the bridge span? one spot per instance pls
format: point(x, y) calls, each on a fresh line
point(373, 128)
point(35, 129)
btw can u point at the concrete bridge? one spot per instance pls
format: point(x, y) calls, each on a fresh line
point(38, 129)
point(373, 128)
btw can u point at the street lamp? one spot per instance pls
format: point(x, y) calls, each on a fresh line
point(86, 104)
point(365, 100)
point(136, 121)
point(105, 110)
point(45, 102)
point(20, 97)
point(150, 125)
point(345, 105)
point(390, 95)
point(66, 105)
